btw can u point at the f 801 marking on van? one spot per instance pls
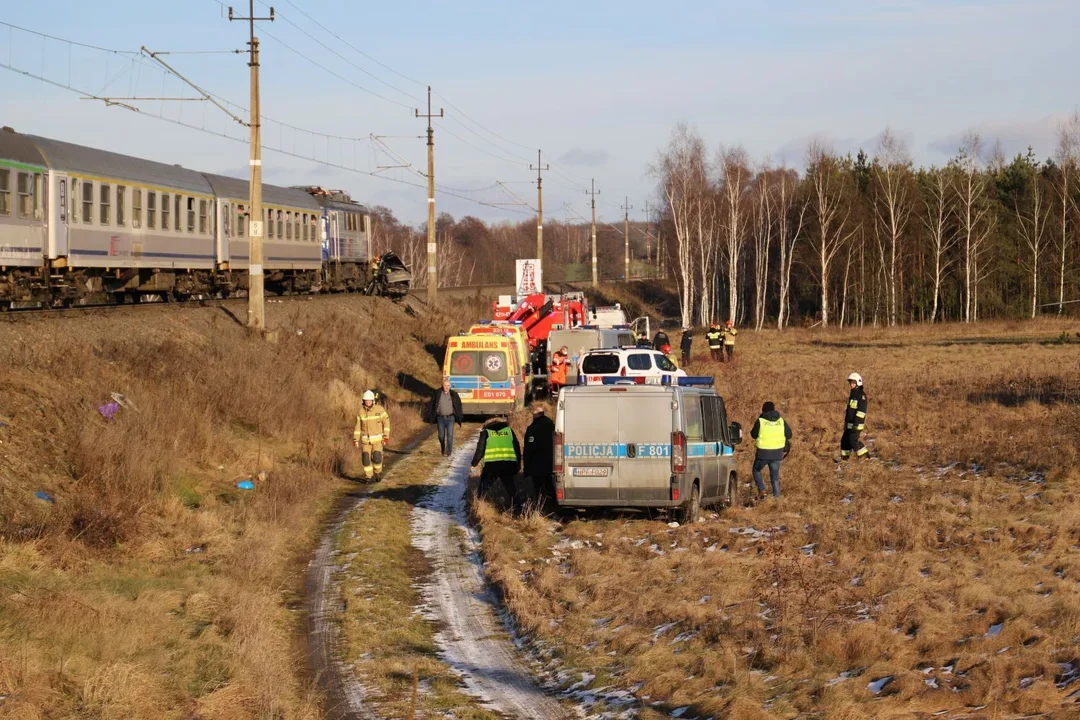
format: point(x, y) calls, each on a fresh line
point(601, 451)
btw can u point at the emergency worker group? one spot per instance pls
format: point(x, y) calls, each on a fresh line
point(500, 457)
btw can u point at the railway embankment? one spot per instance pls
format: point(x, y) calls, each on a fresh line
point(163, 478)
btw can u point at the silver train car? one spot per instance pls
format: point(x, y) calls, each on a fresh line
point(80, 225)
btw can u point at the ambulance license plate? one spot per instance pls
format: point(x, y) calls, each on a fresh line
point(592, 471)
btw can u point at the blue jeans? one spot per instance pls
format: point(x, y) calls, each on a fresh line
point(774, 475)
point(446, 433)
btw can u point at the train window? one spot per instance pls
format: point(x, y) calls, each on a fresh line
point(270, 223)
point(151, 210)
point(25, 190)
point(191, 215)
point(202, 217)
point(288, 226)
point(104, 202)
point(74, 200)
point(280, 229)
point(136, 208)
point(241, 216)
point(226, 218)
point(121, 196)
point(5, 191)
point(178, 213)
point(166, 210)
point(314, 228)
point(296, 225)
point(88, 202)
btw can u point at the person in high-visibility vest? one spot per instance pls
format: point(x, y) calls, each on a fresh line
point(500, 452)
point(371, 435)
point(854, 419)
point(772, 438)
point(715, 338)
point(729, 340)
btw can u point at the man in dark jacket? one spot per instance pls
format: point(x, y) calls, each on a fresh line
point(772, 438)
point(500, 452)
point(660, 339)
point(539, 453)
point(444, 410)
point(685, 343)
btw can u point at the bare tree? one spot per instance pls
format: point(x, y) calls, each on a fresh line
point(681, 170)
point(1032, 217)
point(892, 209)
point(735, 176)
point(1068, 158)
point(974, 214)
point(936, 219)
point(827, 199)
point(764, 230)
point(789, 230)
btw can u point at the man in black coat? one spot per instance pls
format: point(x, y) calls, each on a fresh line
point(539, 453)
point(444, 410)
point(685, 344)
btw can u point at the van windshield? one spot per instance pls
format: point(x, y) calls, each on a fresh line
point(600, 364)
point(492, 365)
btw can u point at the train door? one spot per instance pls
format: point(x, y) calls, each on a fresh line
point(223, 230)
point(57, 214)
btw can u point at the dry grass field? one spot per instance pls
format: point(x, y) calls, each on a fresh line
point(142, 582)
point(940, 577)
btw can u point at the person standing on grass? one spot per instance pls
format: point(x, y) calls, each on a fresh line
point(854, 419)
point(772, 438)
point(500, 452)
point(445, 410)
point(685, 344)
point(371, 435)
point(539, 453)
point(729, 341)
point(715, 338)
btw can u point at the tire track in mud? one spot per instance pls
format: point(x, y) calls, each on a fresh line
point(472, 638)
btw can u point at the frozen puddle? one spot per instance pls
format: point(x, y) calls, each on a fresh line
point(471, 638)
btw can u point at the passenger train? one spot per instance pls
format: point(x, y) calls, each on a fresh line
point(80, 225)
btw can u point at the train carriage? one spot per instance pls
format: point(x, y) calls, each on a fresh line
point(292, 239)
point(23, 174)
point(125, 226)
point(346, 244)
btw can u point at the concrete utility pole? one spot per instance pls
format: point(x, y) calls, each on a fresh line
point(648, 238)
point(539, 208)
point(432, 276)
point(627, 207)
point(256, 305)
point(593, 194)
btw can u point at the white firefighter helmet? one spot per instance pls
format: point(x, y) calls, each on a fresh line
point(855, 378)
point(368, 395)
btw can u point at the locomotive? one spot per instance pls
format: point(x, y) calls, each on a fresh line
point(84, 226)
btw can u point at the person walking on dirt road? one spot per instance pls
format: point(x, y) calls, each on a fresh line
point(539, 453)
point(772, 438)
point(371, 435)
point(445, 410)
point(715, 338)
point(500, 452)
point(685, 344)
point(854, 419)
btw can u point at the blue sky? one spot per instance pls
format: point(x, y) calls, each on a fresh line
point(597, 85)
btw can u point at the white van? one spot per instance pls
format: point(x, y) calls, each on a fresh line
point(621, 444)
point(581, 340)
point(651, 366)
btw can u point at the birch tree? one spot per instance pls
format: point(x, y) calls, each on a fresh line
point(1068, 158)
point(735, 176)
point(789, 230)
point(892, 210)
point(764, 230)
point(827, 201)
point(1032, 217)
point(937, 215)
point(976, 221)
point(681, 170)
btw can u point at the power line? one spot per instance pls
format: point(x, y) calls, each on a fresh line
point(442, 126)
point(70, 42)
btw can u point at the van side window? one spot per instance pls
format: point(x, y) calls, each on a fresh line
point(639, 361)
point(713, 418)
point(663, 363)
point(692, 405)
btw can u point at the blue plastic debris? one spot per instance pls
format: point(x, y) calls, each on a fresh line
point(245, 485)
point(44, 497)
point(109, 410)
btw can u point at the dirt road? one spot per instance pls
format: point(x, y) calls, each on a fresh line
point(473, 639)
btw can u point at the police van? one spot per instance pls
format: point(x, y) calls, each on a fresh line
point(623, 443)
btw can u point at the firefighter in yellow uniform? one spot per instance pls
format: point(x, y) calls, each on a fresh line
point(371, 435)
point(729, 341)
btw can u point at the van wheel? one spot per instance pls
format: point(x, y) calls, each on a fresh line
point(690, 513)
